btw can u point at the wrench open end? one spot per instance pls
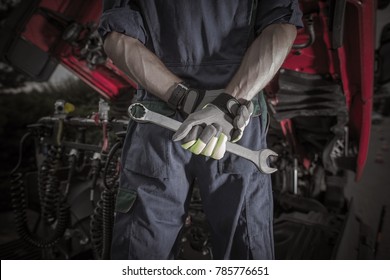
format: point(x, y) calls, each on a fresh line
point(263, 163)
point(137, 112)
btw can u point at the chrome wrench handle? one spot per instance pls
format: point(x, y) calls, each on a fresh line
point(139, 113)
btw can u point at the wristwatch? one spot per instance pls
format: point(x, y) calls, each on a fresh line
point(178, 93)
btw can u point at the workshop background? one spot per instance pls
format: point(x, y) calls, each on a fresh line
point(63, 116)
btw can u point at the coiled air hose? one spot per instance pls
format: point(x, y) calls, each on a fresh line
point(102, 220)
point(96, 230)
point(110, 184)
point(49, 185)
point(19, 206)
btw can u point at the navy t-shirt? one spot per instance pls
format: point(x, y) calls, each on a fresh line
point(201, 41)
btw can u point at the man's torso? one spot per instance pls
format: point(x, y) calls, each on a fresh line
point(201, 41)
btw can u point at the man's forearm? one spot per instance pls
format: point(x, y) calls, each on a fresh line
point(140, 64)
point(262, 61)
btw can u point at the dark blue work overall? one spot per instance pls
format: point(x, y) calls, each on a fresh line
point(203, 42)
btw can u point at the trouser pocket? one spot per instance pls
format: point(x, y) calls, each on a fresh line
point(124, 207)
point(147, 151)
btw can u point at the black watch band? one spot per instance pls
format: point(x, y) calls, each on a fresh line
point(177, 95)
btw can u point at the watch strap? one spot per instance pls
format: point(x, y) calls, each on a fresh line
point(177, 95)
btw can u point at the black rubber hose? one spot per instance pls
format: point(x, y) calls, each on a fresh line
point(108, 221)
point(96, 230)
point(312, 37)
point(19, 205)
point(114, 149)
point(102, 220)
point(20, 158)
point(49, 185)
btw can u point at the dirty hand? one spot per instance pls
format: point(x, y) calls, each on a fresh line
point(206, 131)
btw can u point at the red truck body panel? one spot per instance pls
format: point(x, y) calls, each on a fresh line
point(352, 64)
point(106, 79)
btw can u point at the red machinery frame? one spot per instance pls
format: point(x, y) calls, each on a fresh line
point(352, 64)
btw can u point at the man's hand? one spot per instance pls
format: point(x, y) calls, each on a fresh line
point(207, 130)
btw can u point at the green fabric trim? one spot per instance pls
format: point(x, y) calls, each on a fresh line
point(125, 200)
point(263, 109)
point(159, 107)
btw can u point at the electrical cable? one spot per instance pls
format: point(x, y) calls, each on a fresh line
point(20, 157)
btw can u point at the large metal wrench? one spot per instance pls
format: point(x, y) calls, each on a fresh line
point(140, 113)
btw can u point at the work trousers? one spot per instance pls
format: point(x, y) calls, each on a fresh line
point(154, 194)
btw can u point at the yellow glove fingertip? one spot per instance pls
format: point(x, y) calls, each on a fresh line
point(208, 150)
point(188, 144)
point(220, 147)
point(198, 147)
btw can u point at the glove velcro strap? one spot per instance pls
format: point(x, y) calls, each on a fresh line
point(192, 100)
point(227, 104)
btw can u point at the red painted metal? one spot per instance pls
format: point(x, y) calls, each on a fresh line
point(359, 50)
point(352, 65)
point(314, 59)
point(107, 79)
